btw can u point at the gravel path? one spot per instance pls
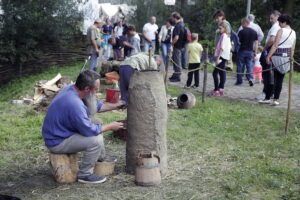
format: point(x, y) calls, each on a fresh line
point(244, 92)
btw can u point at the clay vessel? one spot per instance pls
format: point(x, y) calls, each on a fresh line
point(147, 171)
point(104, 168)
point(186, 100)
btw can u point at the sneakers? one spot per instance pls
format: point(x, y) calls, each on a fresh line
point(174, 79)
point(271, 102)
point(262, 96)
point(221, 92)
point(275, 103)
point(237, 84)
point(265, 101)
point(108, 159)
point(186, 87)
point(214, 94)
point(93, 178)
point(195, 87)
point(251, 83)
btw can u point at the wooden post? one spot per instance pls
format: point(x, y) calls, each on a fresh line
point(150, 55)
point(205, 75)
point(166, 73)
point(287, 122)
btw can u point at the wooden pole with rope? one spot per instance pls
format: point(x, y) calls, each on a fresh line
point(205, 75)
point(150, 55)
point(288, 113)
point(167, 71)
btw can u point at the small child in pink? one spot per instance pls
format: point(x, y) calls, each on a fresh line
point(257, 69)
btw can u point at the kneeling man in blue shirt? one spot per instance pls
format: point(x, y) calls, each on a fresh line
point(67, 127)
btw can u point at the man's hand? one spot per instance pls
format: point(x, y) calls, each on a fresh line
point(97, 52)
point(114, 126)
point(120, 104)
point(112, 106)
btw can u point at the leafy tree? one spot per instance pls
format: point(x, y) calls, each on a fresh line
point(27, 25)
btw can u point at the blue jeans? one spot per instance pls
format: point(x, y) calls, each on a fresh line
point(126, 72)
point(244, 60)
point(166, 47)
point(147, 45)
point(177, 62)
point(93, 61)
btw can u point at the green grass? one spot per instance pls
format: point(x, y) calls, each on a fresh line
point(24, 86)
point(222, 149)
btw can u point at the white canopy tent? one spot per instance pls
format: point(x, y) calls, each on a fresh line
point(93, 10)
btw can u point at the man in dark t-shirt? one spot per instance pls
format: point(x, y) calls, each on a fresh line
point(118, 45)
point(248, 48)
point(178, 44)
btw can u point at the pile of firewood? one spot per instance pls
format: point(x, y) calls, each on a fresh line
point(44, 92)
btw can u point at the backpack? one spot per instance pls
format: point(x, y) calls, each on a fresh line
point(236, 42)
point(187, 35)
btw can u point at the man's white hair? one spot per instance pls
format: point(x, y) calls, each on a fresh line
point(251, 17)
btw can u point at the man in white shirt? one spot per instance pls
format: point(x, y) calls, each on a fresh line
point(274, 29)
point(149, 33)
point(267, 76)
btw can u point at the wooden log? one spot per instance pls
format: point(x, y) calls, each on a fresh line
point(64, 167)
point(205, 76)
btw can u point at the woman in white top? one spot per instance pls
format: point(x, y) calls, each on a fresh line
point(119, 29)
point(280, 54)
point(165, 39)
point(222, 54)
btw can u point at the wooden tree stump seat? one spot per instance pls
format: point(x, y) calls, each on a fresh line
point(64, 167)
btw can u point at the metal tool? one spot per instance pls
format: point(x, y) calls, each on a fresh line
point(83, 66)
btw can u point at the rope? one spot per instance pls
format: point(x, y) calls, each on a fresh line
point(237, 73)
point(296, 62)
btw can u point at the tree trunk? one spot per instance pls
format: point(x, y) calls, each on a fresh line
point(289, 7)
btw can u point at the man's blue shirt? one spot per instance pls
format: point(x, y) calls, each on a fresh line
point(67, 115)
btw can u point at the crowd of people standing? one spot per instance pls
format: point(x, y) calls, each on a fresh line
point(267, 63)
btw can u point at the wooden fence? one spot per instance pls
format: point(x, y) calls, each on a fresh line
point(50, 56)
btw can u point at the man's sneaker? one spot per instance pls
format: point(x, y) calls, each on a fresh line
point(238, 83)
point(93, 178)
point(275, 103)
point(194, 86)
point(108, 159)
point(262, 96)
point(214, 94)
point(265, 101)
point(251, 83)
point(175, 79)
point(171, 77)
point(186, 87)
point(221, 92)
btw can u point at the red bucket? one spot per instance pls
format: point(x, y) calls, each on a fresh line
point(112, 96)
